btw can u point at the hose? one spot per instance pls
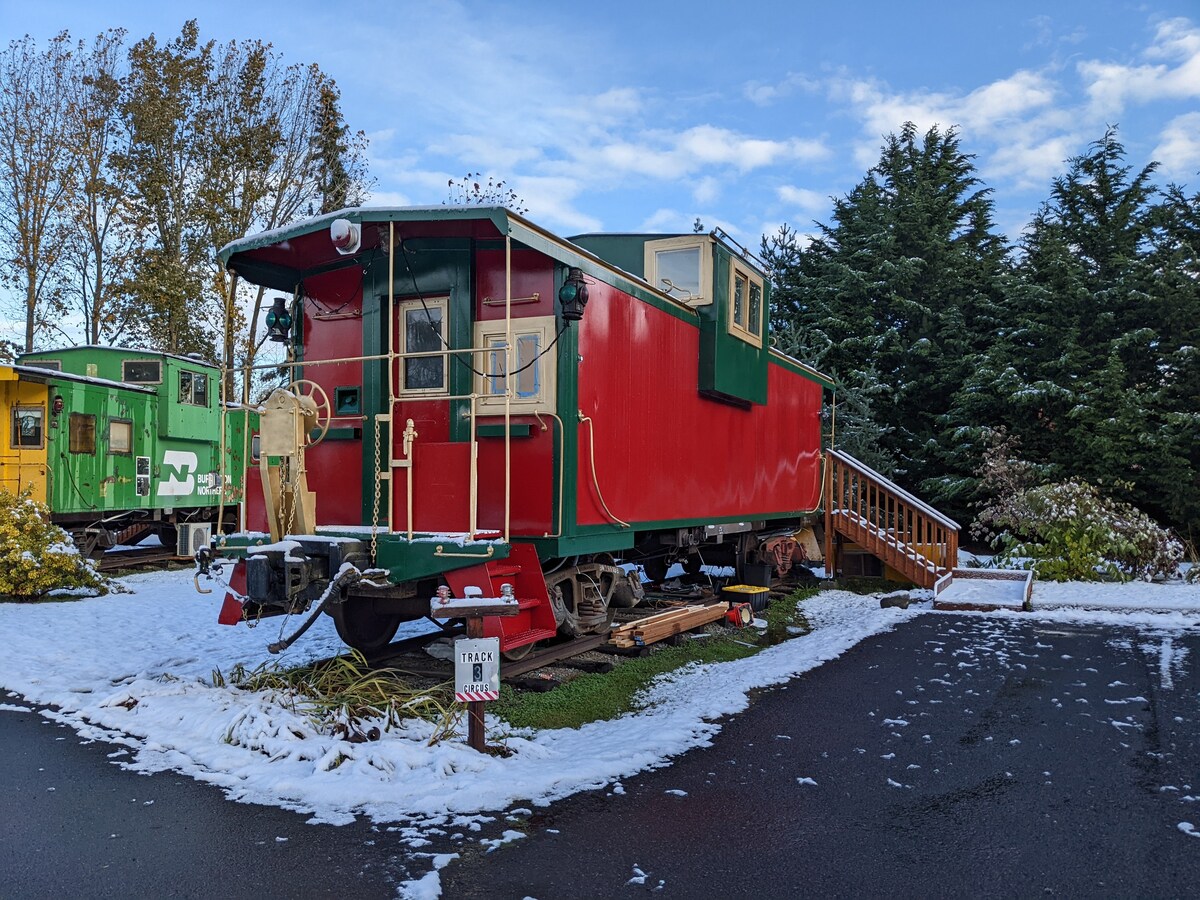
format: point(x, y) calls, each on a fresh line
point(346, 576)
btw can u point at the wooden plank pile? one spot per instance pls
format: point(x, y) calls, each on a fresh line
point(642, 632)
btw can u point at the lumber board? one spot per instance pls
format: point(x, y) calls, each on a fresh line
point(652, 629)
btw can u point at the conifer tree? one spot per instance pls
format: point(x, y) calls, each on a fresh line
point(903, 283)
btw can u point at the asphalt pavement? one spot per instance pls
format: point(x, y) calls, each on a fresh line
point(75, 825)
point(957, 756)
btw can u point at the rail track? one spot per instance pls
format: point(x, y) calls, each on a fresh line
point(139, 557)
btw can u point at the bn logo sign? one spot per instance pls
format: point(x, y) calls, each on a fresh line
point(178, 466)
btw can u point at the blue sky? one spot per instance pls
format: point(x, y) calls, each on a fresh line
point(645, 115)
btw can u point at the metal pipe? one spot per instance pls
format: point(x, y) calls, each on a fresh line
point(473, 497)
point(509, 385)
point(561, 466)
point(391, 379)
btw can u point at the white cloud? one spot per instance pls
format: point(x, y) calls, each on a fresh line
point(666, 221)
point(706, 189)
point(1179, 147)
point(395, 198)
point(989, 109)
point(550, 201)
point(761, 94)
point(1032, 164)
point(1111, 85)
point(803, 199)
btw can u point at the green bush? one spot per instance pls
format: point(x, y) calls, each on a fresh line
point(35, 556)
point(1069, 531)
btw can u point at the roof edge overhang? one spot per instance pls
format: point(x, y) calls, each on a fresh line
point(507, 224)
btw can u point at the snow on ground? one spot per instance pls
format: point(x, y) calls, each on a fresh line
point(137, 668)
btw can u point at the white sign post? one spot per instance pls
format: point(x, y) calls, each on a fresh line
point(476, 658)
point(476, 669)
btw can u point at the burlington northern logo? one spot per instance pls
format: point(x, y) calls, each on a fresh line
point(178, 465)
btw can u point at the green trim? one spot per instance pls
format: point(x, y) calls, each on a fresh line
point(548, 548)
point(407, 561)
point(696, 522)
point(781, 359)
point(374, 377)
point(564, 504)
point(516, 430)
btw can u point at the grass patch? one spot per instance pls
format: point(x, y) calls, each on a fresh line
point(785, 618)
point(595, 697)
point(863, 584)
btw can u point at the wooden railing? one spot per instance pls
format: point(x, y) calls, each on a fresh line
point(884, 519)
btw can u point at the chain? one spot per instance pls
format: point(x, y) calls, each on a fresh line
point(291, 492)
point(375, 508)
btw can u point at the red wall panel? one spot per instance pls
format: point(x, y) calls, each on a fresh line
point(665, 452)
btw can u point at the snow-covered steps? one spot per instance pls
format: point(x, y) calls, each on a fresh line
point(985, 589)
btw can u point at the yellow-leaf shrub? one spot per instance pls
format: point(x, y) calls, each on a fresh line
point(37, 557)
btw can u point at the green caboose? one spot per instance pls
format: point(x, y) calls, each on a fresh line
point(133, 444)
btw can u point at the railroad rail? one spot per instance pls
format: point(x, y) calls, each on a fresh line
point(139, 557)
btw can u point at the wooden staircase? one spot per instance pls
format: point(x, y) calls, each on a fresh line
point(863, 507)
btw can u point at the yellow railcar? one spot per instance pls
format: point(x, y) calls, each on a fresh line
point(23, 449)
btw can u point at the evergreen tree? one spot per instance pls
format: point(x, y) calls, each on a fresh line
point(1175, 262)
point(338, 153)
point(902, 286)
point(1078, 372)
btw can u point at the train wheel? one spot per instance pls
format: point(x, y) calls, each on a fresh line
point(517, 653)
point(361, 627)
point(656, 568)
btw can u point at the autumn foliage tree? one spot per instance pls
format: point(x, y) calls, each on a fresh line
point(125, 168)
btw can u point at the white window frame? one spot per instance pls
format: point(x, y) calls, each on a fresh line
point(701, 242)
point(190, 398)
point(125, 425)
point(402, 308)
point(14, 425)
point(744, 331)
point(491, 333)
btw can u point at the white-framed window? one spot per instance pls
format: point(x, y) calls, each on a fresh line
point(120, 436)
point(28, 427)
point(141, 371)
point(193, 388)
point(54, 365)
point(422, 326)
point(745, 305)
point(533, 368)
point(682, 268)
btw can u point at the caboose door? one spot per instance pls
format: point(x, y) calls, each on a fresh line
point(23, 452)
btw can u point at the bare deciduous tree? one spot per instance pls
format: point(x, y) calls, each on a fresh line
point(98, 249)
point(36, 166)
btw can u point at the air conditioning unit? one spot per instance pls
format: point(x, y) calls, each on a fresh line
point(193, 536)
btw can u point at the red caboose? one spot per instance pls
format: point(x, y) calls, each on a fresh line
point(646, 419)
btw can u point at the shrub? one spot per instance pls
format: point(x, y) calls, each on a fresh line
point(1069, 531)
point(35, 556)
